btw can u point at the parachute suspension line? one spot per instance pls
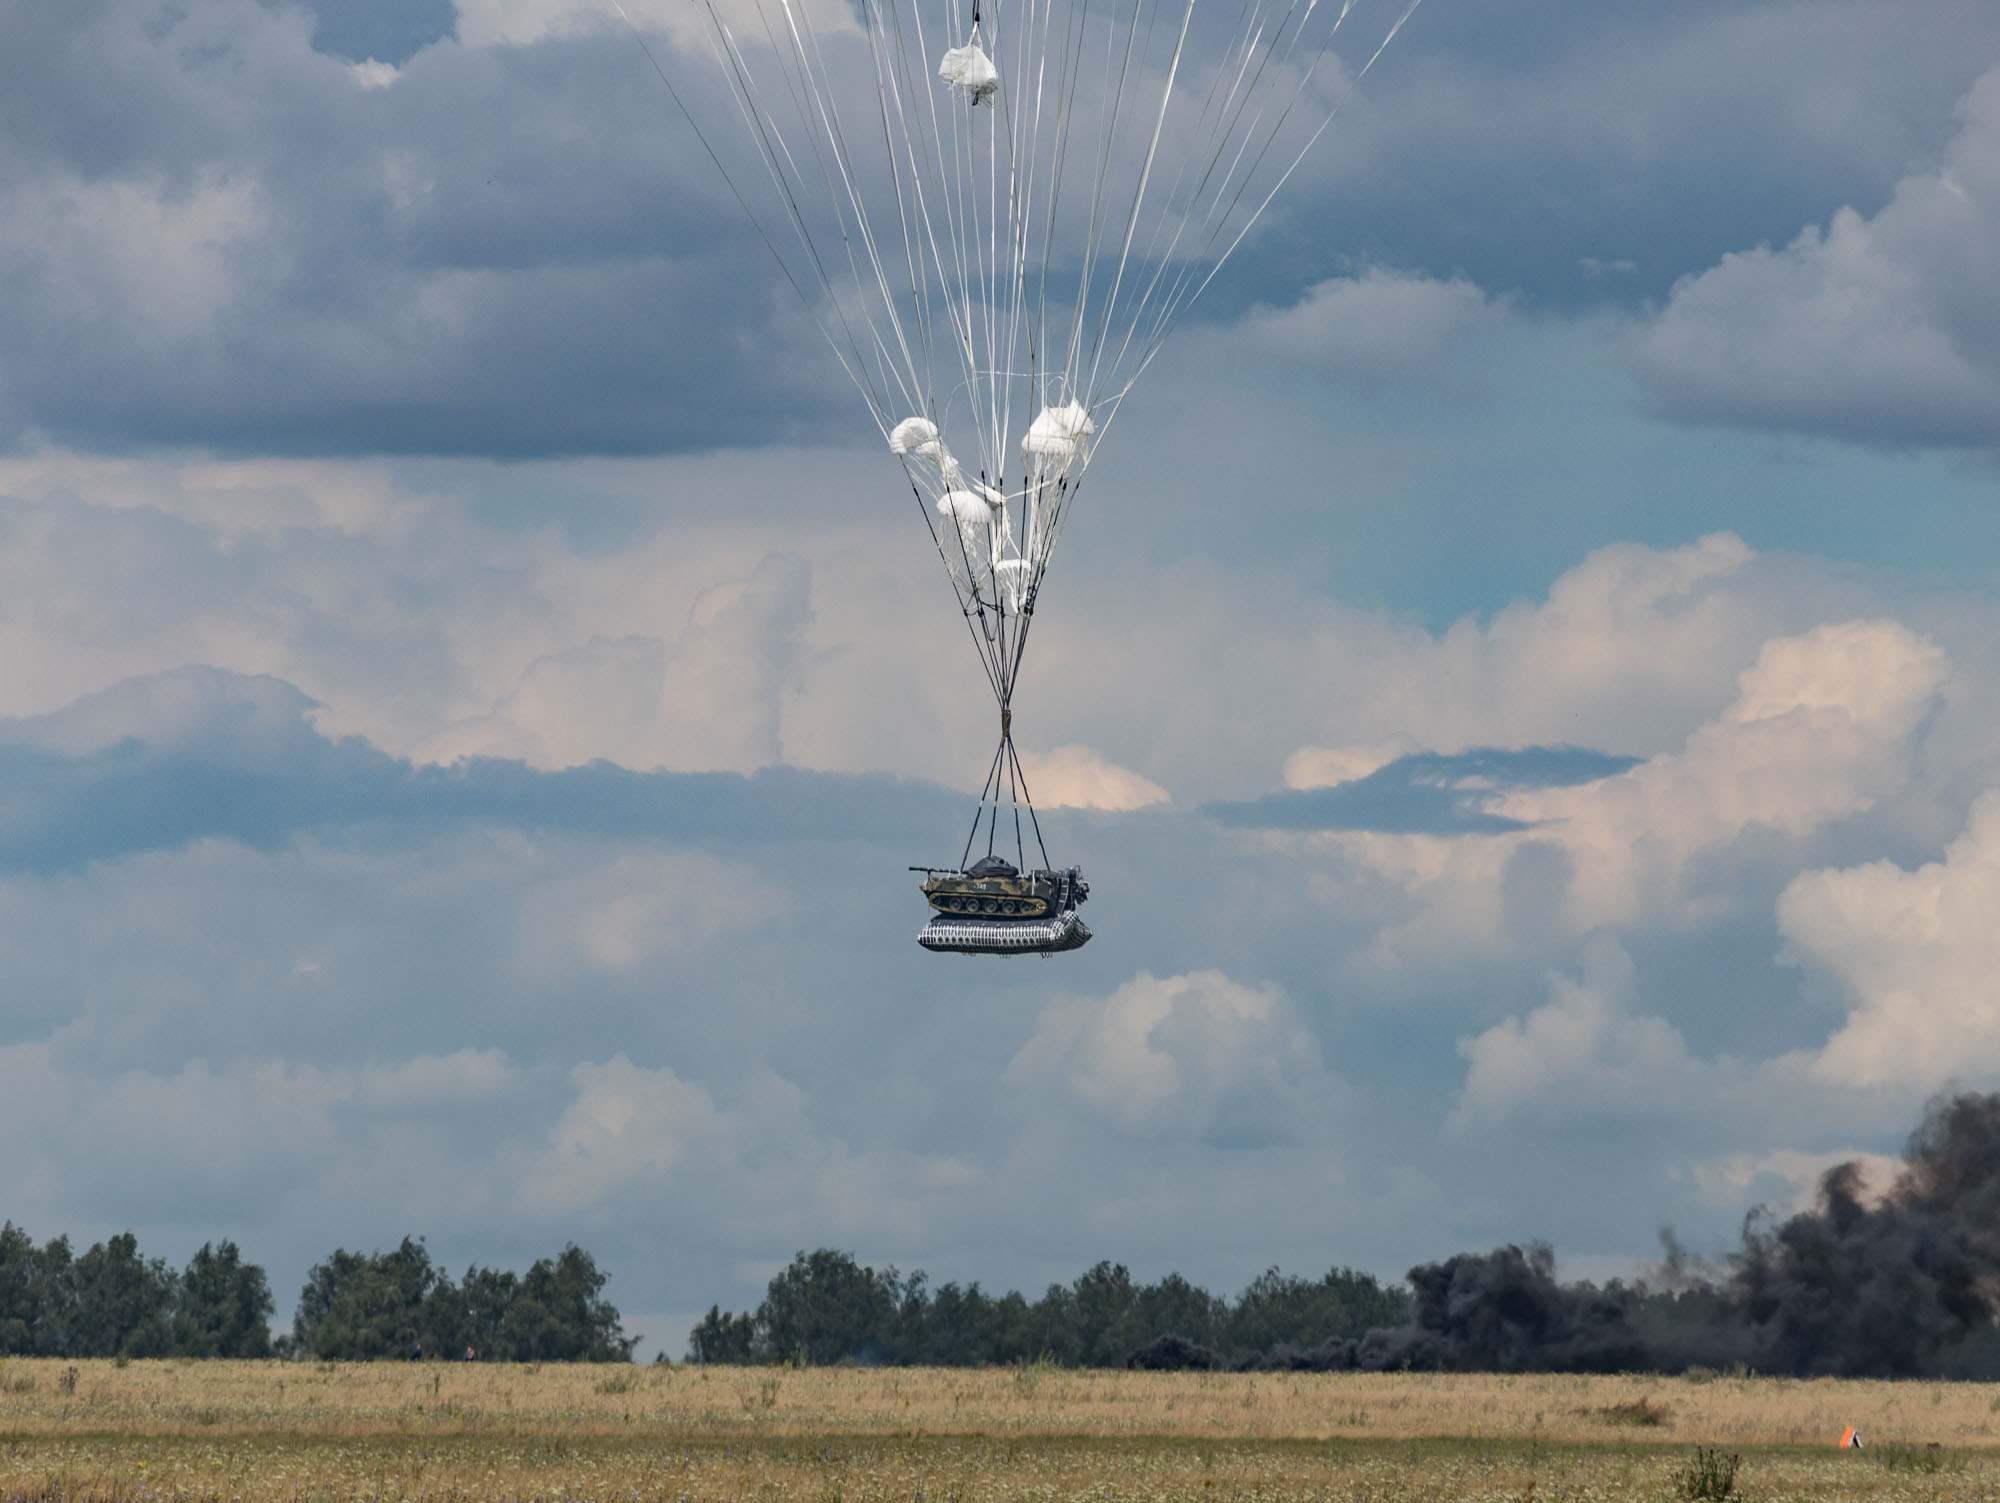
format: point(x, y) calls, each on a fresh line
point(1091, 241)
point(964, 609)
point(1224, 131)
point(924, 168)
point(1139, 196)
point(1013, 795)
point(1027, 802)
point(1223, 123)
point(829, 116)
point(992, 783)
point(1005, 778)
point(1180, 300)
point(853, 371)
point(782, 166)
point(1023, 263)
point(886, 88)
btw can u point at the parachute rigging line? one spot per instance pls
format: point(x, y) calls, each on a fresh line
point(995, 212)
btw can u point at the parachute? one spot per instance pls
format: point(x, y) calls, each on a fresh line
point(995, 211)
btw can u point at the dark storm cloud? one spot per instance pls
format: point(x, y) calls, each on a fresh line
point(215, 235)
point(1881, 328)
point(1429, 793)
point(1587, 154)
point(237, 760)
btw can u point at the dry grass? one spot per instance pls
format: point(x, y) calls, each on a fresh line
point(255, 1431)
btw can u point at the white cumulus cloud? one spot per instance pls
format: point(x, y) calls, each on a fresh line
point(1587, 1052)
point(1823, 725)
point(1734, 1178)
point(1381, 325)
point(626, 1128)
point(1884, 329)
point(1918, 951)
point(1080, 777)
point(1194, 1056)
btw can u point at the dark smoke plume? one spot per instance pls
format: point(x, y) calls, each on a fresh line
point(1904, 1286)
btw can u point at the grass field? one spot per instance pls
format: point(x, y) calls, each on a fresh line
point(244, 1430)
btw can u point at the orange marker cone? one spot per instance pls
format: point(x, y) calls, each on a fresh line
point(1850, 1439)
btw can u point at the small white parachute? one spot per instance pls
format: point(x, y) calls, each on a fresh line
point(918, 438)
point(983, 534)
point(1012, 579)
point(1056, 435)
point(970, 71)
point(915, 435)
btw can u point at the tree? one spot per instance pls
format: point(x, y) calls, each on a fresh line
point(825, 1307)
point(1102, 1305)
point(485, 1302)
point(725, 1339)
point(124, 1302)
point(560, 1315)
point(224, 1306)
point(1174, 1307)
point(37, 1295)
point(360, 1306)
point(1282, 1309)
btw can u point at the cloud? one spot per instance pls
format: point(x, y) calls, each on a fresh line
point(153, 1143)
point(1882, 329)
point(1380, 326)
point(1192, 1056)
point(297, 255)
point(389, 32)
point(1328, 766)
point(415, 611)
point(1823, 726)
point(625, 1130)
point(158, 763)
point(1917, 951)
point(1079, 777)
point(1587, 1054)
point(201, 864)
point(710, 699)
point(516, 247)
point(458, 257)
point(756, 1160)
point(1733, 1179)
point(630, 911)
point(1425, 791)
point(464, 1077)
point(521, 23)
point(155, 258)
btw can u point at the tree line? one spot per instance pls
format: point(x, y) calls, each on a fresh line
point(361, 1306)
point(823, 1308)
point(112, 1301)
point(826, 1308)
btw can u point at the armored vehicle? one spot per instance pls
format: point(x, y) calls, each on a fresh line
point(994, 908)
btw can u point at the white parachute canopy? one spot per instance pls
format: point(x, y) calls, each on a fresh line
point(970, 71)
point(1055, 438)
point(915, 436)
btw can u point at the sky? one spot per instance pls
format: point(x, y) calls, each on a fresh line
point(1521, 680)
